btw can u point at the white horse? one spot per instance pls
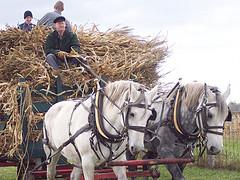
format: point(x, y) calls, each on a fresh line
point(123, 118)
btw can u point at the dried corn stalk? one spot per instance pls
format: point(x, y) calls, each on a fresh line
point(115, 54)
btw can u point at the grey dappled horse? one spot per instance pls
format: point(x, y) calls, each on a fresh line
point(184, 116)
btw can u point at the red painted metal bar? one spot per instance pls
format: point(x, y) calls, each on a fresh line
point(7, 163)
point(108, 173)
point(129, 174)
point(99, 174)
point(149, 162)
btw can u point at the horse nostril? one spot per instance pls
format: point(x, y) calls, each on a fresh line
point(213, 149)
point(133, 150)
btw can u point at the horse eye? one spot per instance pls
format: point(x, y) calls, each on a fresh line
point(131, 114)
point(210, 115)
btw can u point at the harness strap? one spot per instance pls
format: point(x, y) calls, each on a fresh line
point(85, 128)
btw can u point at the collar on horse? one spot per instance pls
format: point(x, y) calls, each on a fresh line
point(176, 117)
point(99, 119)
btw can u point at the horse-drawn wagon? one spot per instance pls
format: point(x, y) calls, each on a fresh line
point(143, 56)
point(33, 153)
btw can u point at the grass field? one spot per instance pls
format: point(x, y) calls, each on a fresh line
point(229, 158)
point(191, 173)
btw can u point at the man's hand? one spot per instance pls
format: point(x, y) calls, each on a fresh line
point(62, 54)
point(73, 53)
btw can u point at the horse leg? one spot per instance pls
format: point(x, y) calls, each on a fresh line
point(174, 169)
point(182, 166)
point(131, 157)
point(75, 174)
point(51, 167)
point(88, 167)
point(148, 155)
point(120, 171)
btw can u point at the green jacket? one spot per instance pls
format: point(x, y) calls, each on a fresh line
point(54, 43)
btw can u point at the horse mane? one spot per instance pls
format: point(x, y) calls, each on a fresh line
point(193, 91)
point(116, 89)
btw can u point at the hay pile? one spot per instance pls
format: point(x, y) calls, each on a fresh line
point(116, 54)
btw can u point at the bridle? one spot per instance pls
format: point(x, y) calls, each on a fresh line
point(125, 116)
point(141, 129)
point(201, 116)
point(99, 131)
point(203, 111)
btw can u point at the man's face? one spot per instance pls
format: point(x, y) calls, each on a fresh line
point(28, 19)
point(60, 26)
point(62, 7)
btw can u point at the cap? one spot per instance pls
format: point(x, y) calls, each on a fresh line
point(27, 13)
point(59, 19)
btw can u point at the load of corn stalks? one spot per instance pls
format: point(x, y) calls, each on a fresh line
point(115, 54)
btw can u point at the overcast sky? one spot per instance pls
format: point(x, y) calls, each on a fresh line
point(203, 35)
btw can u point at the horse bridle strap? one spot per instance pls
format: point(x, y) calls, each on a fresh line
point(141, 129)
point(206, 128)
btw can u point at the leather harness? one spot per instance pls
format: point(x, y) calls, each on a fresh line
point(173, 120)
point(95, 124)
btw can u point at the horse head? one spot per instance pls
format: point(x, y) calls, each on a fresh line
point(207, 107)
point(133, 100)
point(217, 114)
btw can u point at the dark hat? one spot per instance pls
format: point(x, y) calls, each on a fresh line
point(28, 13)
point(59, 19)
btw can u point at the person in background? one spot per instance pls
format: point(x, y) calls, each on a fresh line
point(59, 44)
point(27, 25)
point(47, 19)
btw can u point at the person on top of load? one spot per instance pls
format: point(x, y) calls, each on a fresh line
point(27, 25)
point(61, 44)
point(47, 19)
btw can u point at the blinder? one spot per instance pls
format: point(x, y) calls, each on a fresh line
point(153, 116)
point(229, 116)
point(138, 128)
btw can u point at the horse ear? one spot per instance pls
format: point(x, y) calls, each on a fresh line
point(227, 92)
point(152, 93)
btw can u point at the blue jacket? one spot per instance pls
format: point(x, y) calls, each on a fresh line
point(26, 27)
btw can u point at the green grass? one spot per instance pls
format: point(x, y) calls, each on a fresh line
point(8, 173)
point(232, 146)
point(229, 158)
point(196, 173)
point(191, 173)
